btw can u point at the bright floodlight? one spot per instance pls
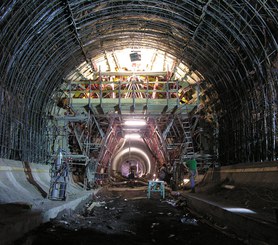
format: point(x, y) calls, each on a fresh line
point(132, 136)
point(135, 123)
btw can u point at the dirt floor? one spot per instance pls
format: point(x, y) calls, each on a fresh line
point(125, 216)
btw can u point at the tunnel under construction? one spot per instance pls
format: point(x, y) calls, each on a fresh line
point(108, 93)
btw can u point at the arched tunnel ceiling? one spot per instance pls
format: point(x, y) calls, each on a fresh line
point(231, 43)
point(213, 37)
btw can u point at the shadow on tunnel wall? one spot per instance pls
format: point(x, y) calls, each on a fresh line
point(31, 180)
point(211, 179)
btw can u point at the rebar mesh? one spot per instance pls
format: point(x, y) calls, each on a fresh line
point(232, 43)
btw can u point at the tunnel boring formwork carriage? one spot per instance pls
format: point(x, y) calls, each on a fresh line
point(103, 135)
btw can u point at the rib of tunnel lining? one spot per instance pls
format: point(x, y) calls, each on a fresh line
point(230, 45)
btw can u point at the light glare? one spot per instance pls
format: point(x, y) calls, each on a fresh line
point(132, 136)
point(185, 181)
point(135, 123)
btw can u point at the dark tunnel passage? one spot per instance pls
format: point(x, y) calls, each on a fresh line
point(114, 87)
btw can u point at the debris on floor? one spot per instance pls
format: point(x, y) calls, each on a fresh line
point(127, 217)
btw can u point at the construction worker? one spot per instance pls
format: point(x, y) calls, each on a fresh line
point(191, 164)
point(131, 178)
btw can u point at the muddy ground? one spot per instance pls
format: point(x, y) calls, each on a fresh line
point(125, 216)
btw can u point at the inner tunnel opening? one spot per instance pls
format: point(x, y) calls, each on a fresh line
point(132, 166)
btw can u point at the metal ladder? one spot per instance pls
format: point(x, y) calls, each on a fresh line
point(188, 151)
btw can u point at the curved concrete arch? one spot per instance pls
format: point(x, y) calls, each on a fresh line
point(132, 153)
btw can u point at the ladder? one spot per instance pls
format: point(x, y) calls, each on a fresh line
point(188, 150)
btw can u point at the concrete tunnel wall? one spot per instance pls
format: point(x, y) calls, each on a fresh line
point(15, 178)
point(255, 174)
point(25, 185)
point(15, 187)
point(15, 183)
